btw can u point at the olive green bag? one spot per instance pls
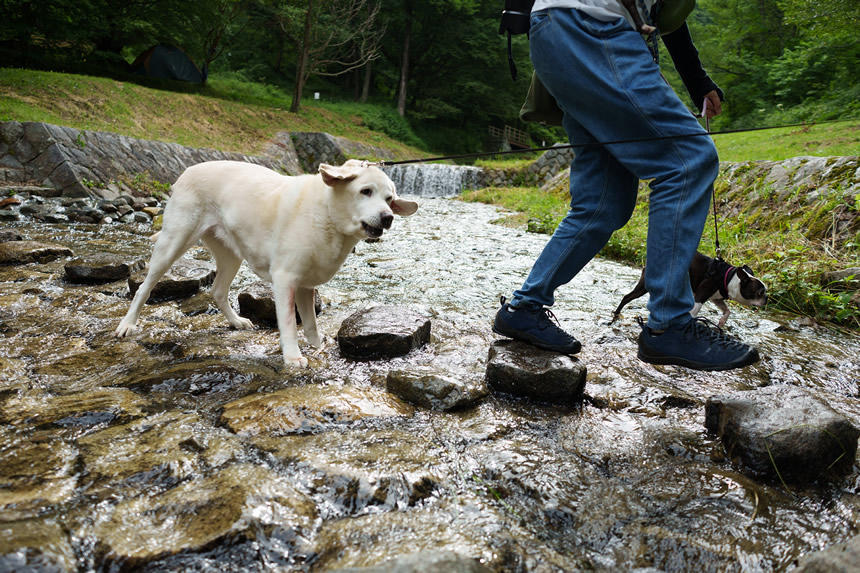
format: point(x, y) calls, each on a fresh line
point(541, 106)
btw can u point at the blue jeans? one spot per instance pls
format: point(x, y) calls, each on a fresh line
point(606, 82)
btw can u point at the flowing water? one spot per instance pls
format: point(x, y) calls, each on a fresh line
point(434, 179)
point(189, 447)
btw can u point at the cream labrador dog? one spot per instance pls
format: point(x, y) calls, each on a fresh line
point(294, 231)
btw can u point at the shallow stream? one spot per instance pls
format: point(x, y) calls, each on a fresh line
point(189, 447)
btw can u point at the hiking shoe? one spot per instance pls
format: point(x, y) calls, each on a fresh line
point(697, 344)
point(537, 326)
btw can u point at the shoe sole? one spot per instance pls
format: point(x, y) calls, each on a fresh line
point(573, 349)
point(747, 359)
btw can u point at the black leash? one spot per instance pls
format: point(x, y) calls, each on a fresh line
point(717, 250)
point(600, 143)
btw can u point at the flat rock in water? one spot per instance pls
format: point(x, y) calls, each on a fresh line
point(258, 303)
point(24, 252)
point(306, 409)
point(385, 331)
point(199, 513)
point(434, 390)
point(783, 432)
point(184, 279)
point(101, 269)
point(518, 368)
point(843, 557)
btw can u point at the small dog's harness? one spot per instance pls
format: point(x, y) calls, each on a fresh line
point(719, 267)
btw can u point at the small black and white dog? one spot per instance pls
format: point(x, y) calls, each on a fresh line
point(714, 280)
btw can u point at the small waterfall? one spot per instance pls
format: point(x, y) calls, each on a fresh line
point(434, 180)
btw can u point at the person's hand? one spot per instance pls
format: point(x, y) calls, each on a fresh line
point(712, 106)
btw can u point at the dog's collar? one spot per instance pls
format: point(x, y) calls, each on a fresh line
point(728, 276)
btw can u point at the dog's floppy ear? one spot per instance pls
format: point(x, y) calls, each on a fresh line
point(403, 207)
point(346, 172)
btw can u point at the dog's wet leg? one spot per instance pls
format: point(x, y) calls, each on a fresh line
point(721, 304)
point(305, 306)
point(168, 247)
point(285, 308)
point(226, 266)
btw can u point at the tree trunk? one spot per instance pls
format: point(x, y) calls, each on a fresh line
point(404, 62)
point(302, 64)
point(365, 88)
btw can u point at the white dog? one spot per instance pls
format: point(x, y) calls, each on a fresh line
point(294, 232)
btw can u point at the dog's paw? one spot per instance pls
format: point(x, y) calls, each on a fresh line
point(124, 329)
point(318, 341)
point(242, 324)
point(293, 363)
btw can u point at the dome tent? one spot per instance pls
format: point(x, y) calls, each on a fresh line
point(167, 62)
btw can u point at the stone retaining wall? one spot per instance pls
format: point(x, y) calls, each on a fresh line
point(81, 163)
point(536, 174)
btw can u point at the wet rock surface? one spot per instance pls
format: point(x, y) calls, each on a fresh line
point(841, 558)
point(384, 331)
point(522, 369)
point(434, 389)
point(189, 446)
point(24, 252)
point(101, 269)
point(184, 279)
point(784, 432)
point(257, 302)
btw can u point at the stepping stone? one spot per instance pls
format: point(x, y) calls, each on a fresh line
point(783, 432)
point(24, 252)
point(434, 390)
point(101, 269)
point(518, 368)
point(385, 331)
point(184, 279)
point(258, 303)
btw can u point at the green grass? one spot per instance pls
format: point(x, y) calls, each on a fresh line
point(228, 113)
point(825, 139)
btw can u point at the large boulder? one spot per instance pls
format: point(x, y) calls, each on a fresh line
point(518, 368)
point(783, 432)
point(385, 331)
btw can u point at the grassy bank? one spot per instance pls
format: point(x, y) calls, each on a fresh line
point(791, 238)
point(225, 114)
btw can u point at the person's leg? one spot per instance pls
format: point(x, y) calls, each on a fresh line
point(604, 79)
point(602, 198)
point(602, 75)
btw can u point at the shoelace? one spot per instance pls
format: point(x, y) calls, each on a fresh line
point(705, 329)
point(546, 319)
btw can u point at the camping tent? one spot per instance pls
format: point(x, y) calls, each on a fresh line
point(168, 62)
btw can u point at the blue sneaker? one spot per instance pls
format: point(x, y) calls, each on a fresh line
point(695, 345)
point(537, 326)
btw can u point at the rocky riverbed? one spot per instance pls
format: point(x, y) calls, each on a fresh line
point(190, 447)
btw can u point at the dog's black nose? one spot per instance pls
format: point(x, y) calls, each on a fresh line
point(386, 220)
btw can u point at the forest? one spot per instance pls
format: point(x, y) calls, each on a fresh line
point(441, 65)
